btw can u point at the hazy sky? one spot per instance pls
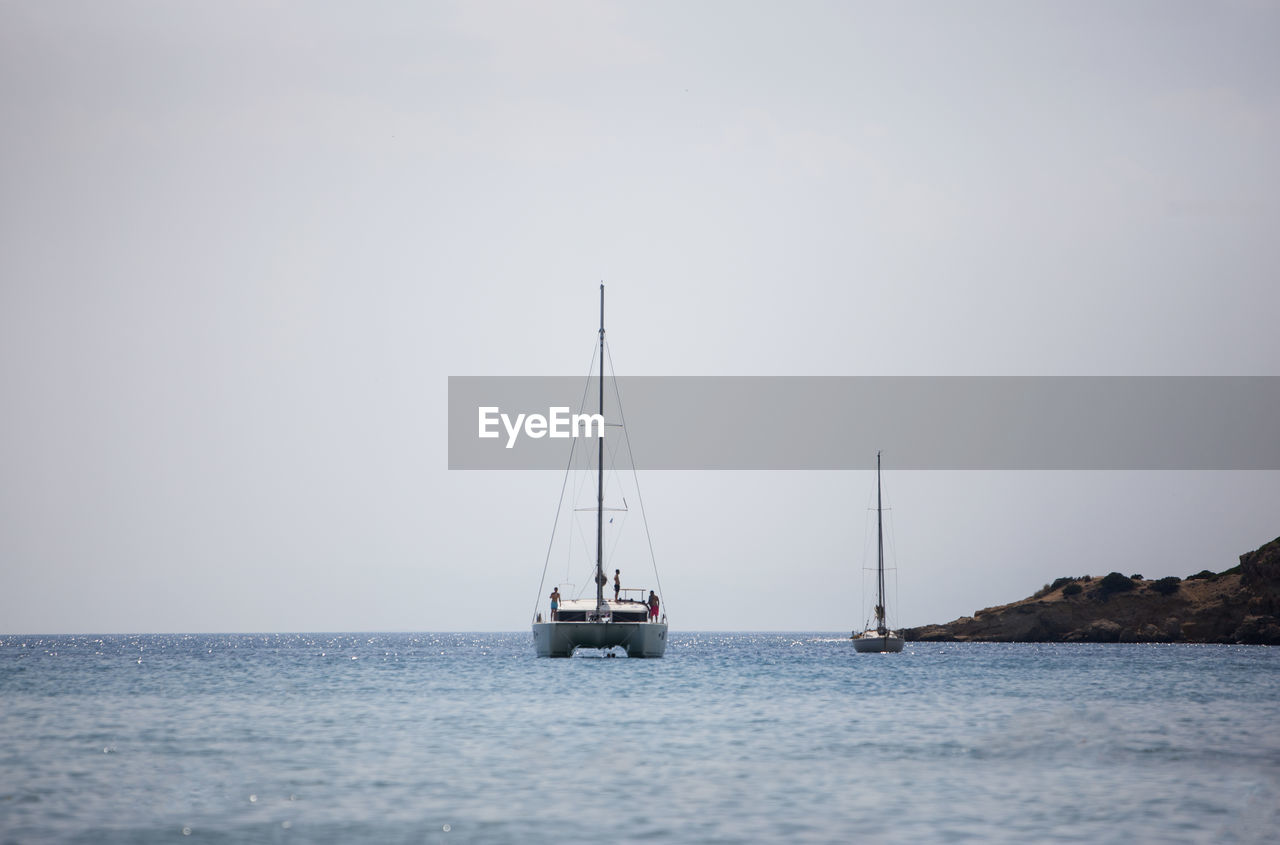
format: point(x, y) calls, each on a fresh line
point(242, 247)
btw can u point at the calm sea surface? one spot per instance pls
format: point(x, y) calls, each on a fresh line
point(735, 737)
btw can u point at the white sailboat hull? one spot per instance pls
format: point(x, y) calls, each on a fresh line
point(562, 639)
point(873, 642)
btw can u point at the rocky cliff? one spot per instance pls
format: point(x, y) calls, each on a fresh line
point(1240, 605)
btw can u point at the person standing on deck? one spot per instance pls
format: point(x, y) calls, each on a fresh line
point(653, 606)
point(617, 583)
point(555, 602)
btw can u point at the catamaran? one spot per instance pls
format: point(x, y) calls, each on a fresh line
point(601, 623)
point(879, 638)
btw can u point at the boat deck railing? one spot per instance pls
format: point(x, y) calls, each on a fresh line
point(538, 618)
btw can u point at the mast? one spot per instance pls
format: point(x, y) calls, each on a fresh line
point(880, 626)
point(600, 579)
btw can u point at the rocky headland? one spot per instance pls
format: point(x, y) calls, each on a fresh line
point(1240, 605)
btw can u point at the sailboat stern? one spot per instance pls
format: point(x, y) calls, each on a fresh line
point(562, 639)
point(876, 642)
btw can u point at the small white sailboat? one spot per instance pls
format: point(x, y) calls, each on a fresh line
point(601, 623)
point(878, 638)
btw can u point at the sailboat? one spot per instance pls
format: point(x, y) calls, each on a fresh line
point(879, 638)
point(601, 623)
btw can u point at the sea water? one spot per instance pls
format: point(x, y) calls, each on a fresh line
point(733, 737)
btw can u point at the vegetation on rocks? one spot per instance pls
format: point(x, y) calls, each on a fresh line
point(1114, 582)
point(1237, 605)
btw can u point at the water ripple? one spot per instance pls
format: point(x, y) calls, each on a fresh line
point(731, 737)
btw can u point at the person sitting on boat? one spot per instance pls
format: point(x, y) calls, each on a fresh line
point(617, 583)
point(555, 602)
point(653, 606)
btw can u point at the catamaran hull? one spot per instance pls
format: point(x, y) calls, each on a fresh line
point(562, 639)
point(890, 644)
